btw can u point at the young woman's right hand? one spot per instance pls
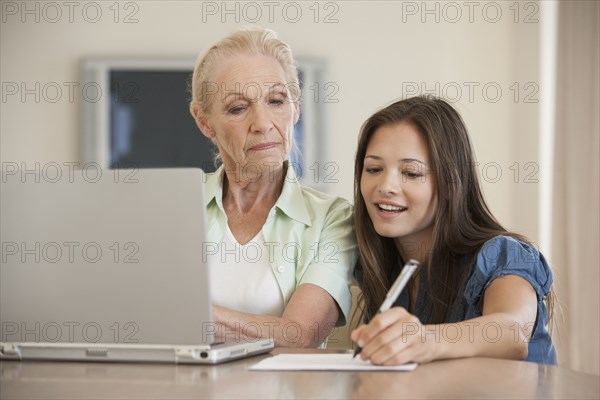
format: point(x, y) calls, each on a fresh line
point(394, 337)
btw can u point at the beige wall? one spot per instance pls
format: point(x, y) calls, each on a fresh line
point(575, 213)
point(374, 51)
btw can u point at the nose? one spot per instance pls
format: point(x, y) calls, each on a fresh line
point(261, 119)
point(389, 184)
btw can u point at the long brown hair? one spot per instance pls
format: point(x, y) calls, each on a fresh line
point(462, 224)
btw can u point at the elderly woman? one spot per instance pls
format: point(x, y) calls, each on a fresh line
point(285, 252)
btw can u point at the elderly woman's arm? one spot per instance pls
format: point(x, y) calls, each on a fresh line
point(307, 320)
point(321, 298)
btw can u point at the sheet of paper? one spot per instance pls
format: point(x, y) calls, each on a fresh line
point(326, 361)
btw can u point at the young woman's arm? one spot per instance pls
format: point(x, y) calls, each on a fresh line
point(503, 331)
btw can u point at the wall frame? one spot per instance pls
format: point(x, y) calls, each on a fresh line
point(135, 115)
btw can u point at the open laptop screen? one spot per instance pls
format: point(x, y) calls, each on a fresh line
point(103, 256)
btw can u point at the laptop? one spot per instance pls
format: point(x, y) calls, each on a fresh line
point(107, 265)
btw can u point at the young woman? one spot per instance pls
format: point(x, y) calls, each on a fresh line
point(480, 290)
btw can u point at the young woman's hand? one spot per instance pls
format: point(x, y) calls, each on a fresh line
point(394, 337)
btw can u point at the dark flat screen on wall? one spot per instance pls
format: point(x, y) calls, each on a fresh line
point(150, 122)
point(151, 126)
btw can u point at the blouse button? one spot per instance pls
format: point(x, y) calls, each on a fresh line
point(280, 269)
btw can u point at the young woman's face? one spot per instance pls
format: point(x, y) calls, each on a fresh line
point(397, 184)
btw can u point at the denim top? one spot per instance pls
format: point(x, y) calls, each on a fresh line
point(499, 256)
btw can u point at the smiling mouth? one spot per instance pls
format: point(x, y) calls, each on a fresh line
point(390, 208)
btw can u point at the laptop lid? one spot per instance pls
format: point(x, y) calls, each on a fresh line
point(104, 257)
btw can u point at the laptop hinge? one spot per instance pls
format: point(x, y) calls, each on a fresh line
point(10, 350)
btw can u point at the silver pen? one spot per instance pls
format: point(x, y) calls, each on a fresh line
point(399, 284)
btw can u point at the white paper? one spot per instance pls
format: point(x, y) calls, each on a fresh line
point(326, 361)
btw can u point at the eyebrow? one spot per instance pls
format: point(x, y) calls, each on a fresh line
point(236, 94)
point(269, 86)
point(374, 157)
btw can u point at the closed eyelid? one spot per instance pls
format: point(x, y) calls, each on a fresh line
point(277, 99)
point(372, 164)
point(413, 168)
point(234, 102)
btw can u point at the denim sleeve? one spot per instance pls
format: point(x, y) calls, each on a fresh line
point(502, 256)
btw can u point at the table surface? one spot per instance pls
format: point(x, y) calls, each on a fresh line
point(462, 378)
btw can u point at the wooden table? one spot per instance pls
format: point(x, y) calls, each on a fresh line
point(463, 378)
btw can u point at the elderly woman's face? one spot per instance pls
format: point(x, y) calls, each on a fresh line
point(251, 117)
